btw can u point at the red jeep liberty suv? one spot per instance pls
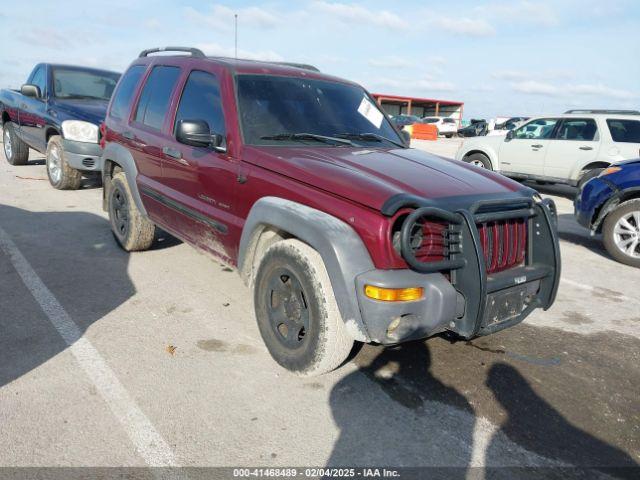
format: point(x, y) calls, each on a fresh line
point(300, 181)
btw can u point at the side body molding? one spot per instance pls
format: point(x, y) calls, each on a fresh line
point(117, 153)
point(345, 255)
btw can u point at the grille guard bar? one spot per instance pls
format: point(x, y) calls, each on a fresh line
point(454, 220)
point(467, 264)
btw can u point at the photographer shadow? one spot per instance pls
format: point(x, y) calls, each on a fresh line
point(419, 421)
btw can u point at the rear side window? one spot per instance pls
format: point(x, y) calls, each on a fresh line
point(201, 101)
point(580, 129)
point(155, 97)
point(627, 131)
point(125, 90)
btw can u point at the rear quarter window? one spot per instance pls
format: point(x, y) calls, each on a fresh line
point(124, 91)
point(626, 131)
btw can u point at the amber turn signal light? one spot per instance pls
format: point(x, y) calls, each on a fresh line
point(393, 294)
point(609, 171)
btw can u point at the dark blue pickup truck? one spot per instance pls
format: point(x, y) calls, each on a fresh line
point(58, 112)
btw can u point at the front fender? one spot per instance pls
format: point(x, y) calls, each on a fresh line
point(473, 147)
point(343, 252)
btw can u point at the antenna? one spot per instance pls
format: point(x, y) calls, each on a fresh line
point(236, 34)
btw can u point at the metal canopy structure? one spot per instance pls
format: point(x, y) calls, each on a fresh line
point(421, 107)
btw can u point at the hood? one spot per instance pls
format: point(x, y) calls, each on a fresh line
point(92, 111)
point(633, 161)
point(372, 176)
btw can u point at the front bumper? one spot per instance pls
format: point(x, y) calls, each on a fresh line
point(472, 303)
point(83, 156)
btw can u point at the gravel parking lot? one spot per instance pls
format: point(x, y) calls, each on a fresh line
point(154, 358)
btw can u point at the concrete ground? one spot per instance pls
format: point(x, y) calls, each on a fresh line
point(154, 358)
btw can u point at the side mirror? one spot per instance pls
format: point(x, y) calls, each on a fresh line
point(509, 136)
point(406, 136)
point(30, 91)
point(197, 134)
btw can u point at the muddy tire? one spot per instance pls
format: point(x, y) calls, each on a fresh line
point(296, 310)
point(15, 150)
point(61, 175)
point(131, 229)
point(479, 160)
point(621, 233)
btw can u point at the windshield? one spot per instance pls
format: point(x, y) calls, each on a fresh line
point(81, 84)
point(290, 111)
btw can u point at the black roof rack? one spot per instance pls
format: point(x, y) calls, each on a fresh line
point(303, 66)
point(195, 52)
point(615, 112)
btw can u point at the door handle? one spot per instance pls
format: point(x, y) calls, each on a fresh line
point(23, 106)
point(128, 135)
point(585, 147)
point(537, 145)
point(175, 154)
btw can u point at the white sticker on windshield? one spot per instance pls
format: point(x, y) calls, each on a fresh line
point(369, 111)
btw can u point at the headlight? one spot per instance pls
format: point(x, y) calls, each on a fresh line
point(80, 131)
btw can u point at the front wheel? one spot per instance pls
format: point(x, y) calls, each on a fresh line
point(479, 160)
point(588, 175)
point(296, 310)
point(132, 230)
point(61, 175)
point(621, 233)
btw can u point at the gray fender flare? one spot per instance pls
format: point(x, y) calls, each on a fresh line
point(117, 153)
point(341, 248)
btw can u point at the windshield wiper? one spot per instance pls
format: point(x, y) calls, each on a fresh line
point(369, 136)
point(307, 136)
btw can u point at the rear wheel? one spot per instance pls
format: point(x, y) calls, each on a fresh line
point(588, 175)
point(296, 310)
point(61, 175)
point(15, 150)
point(621, 233)
point(479, 160)
point(132, 230)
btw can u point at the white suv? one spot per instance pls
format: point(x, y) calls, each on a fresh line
point(570, 148)
point(446, 126)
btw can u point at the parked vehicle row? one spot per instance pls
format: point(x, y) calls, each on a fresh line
point(299, 181)
point(58, 113)
point(446, 126)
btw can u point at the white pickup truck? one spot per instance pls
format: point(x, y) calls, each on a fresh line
point(570, 148)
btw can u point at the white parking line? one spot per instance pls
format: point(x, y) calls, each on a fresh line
point(148, 442)
point(591, 288)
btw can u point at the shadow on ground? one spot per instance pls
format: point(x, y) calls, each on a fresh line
point(570, 231)
point(76, 257)
point(549, 393)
